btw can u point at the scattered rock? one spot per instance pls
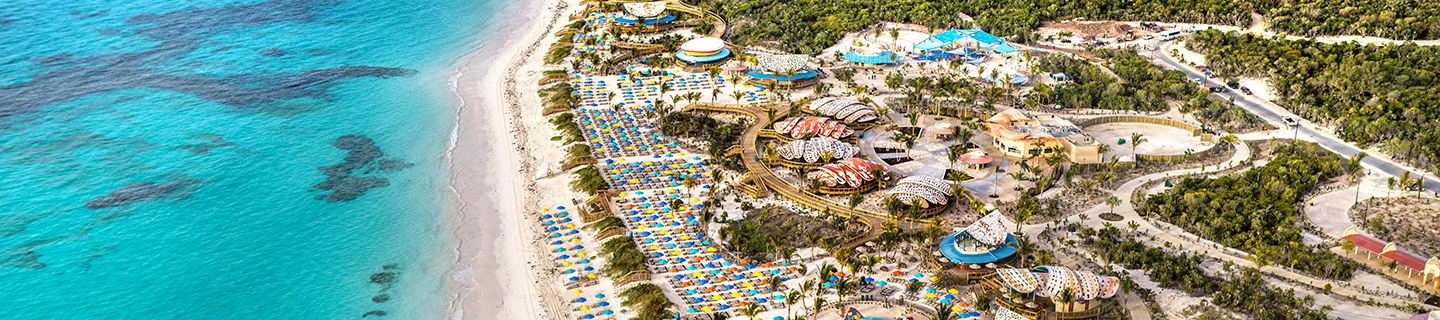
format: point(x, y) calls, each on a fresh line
point(364, 155)
point(132, 193)
point(376, 313)
point(383, 278)
point(273, 52)
point(381, 298)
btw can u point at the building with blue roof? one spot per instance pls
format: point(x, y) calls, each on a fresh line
point(981, 247)
point(884, 57)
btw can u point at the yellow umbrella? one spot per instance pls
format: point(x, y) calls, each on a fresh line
point(584, 308)
point(578, 291)
point(545, 210)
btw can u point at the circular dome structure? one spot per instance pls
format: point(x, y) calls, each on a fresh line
point(702, 47)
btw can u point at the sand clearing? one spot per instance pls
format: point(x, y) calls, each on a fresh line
point(1161, 140)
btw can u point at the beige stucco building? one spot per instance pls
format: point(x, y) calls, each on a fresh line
point(1018, 135)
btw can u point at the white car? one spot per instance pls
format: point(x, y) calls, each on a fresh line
point(1291, 122)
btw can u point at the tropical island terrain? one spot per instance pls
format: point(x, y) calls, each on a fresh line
point(917, 159)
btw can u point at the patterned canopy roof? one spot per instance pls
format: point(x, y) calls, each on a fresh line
point(990, 229)
point(781, 63)
point(645, 9)
point(1053, 281)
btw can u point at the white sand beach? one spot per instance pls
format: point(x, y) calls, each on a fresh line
point(499, 135)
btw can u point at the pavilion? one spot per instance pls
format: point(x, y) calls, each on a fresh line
point(1069, 294)
point(974, 45)
point(702, 52)
point(875, 59)
point(1429, 270)
point(645, 15)
point(776, 69)
point(980, 247)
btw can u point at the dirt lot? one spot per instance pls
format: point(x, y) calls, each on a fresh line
point(1414, 223)
point(1161, 140)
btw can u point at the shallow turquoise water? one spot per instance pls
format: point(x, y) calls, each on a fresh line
point(96, 95)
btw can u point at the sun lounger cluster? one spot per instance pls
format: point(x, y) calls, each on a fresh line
point(577, 272)
point(852, 172)
point(845, 109)
point(624, 133)
point(800, 127)
point(814, 149)
point(932, 190)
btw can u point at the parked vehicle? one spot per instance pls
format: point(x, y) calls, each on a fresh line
point(1195, 80)
point(1291, 122)
point(1209, 74)
point(1232, 84)
point(1202, 68)
point(1170, 35)
point(1218, 89)
point(1246, 90)
point(1149, 36)
point(1151, 47)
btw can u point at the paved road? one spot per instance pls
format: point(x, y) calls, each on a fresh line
point(1274, 114)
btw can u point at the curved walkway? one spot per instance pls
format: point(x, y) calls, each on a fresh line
point(1331, 211)
point(1190, 242)
point(750, 153)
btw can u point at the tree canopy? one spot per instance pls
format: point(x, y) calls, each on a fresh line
point(1371, 93)
point(1257, 210)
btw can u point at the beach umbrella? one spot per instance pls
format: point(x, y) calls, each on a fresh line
point(882, 283)
point(974, 314)
point(944, 301)
point(956, 308)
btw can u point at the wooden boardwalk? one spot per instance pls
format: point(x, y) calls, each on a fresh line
point(765, 177)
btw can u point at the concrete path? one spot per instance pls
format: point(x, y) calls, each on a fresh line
point(1190, 242)
point(1330, 211)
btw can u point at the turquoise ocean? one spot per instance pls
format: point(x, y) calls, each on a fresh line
point(216, 159)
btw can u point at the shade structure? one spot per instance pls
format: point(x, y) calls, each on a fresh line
point(702, 47)
point(711, 57)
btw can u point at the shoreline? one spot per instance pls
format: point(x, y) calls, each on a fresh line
point(494, 275)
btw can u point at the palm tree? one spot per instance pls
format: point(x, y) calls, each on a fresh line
point(1112, 201)
point(1135, 140)
point(750, 311)
point(1404, 182)
point(790, 300)
point(1067, 297)
point(737, 95)
point(1103, 148)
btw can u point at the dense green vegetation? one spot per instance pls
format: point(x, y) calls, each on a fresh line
point(622, 257)
point(1145, 88)
point(1257, 210)
point(648, 302)
point(1244, 292)
point(768, 234)
point(1372, 94)
point(807, 26)
point(719, 135)
point(1393, 19)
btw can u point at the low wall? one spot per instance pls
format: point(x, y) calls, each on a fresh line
point(1194, 129)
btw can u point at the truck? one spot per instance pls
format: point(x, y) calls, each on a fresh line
point(1170, 35)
